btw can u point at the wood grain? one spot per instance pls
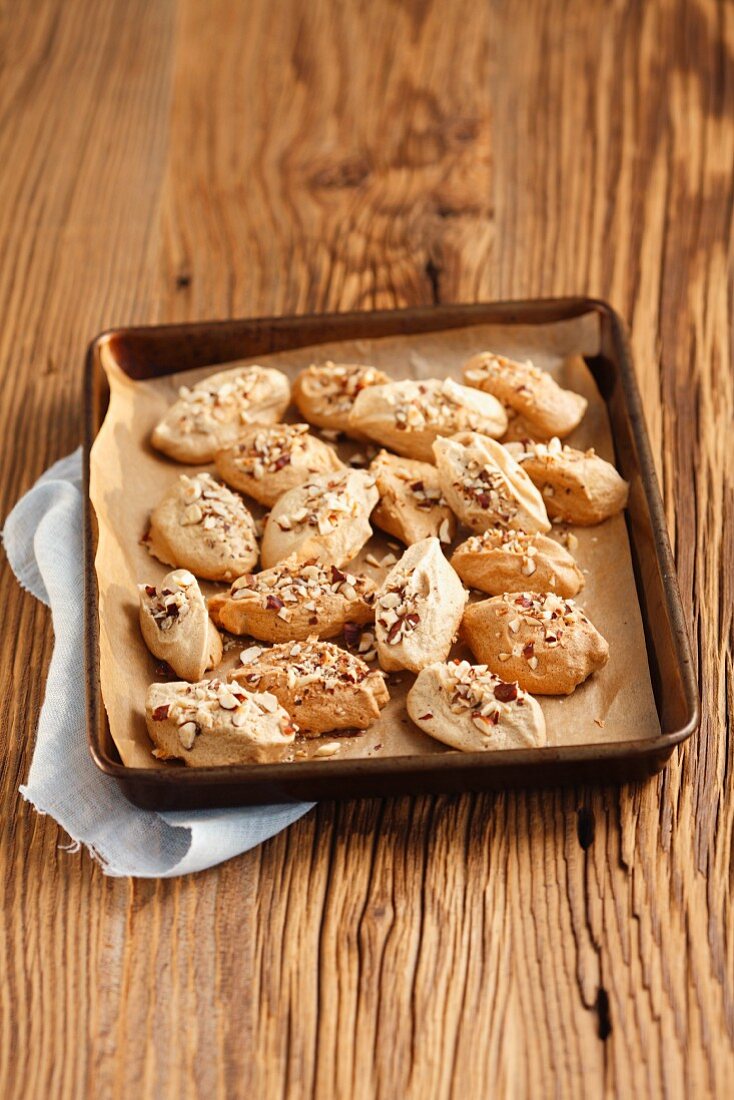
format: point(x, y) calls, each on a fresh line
point(164, 161)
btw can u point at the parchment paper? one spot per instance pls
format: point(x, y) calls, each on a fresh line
point(128, 478)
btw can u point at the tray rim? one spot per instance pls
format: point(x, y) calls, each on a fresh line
point(259, 775)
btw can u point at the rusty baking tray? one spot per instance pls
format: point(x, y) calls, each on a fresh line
point(155, 351)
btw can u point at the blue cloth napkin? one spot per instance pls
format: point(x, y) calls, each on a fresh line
point(43, 542)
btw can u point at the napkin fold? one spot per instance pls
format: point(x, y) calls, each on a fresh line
point(43, 543)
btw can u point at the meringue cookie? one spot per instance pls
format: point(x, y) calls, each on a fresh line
point(546, 409)
point(545, 643)
point(326, 517)
point(470, 709)
point(411, 505)
point(501, 560)
point(485, 487)
point(418, 609)
point(269, 460)
point(322, 686)
point(408, 416)
point(213, 724)
point(325, 393)
point(577, 486)
point(176, 627)
point(294, 600)
point(212, 413)
point(203, 526)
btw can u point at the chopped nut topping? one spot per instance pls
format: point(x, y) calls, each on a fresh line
point(331, 748)
point(360, 639)
point(548, 610)
point(504, 538)
point(511, 371)
point(326, 664)
point(247, 656)
point(195, 708)
point(441, 404)
point(505, 692)
point(187, 732)
point(285, 586)
point(484, 484)
point(546, 606)
point(395, 611)
point(209, 404)
point(219, 511)
point(308, 670)
point(337, 384)
point(324, 506)
point(271, 449)
point(268, 702)
point(551, 452)
point(170, 604)
point(475, 689)
point(423, 493)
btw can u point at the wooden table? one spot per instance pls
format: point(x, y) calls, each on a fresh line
point(166, 161)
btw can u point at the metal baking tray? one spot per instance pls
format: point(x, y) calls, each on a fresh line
point(164, 349)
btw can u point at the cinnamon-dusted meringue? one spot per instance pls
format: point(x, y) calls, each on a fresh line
point(269, 460)
point(212, 723)
point(544, 642)
point(176, 627)
point(212, 413)
point(320, 685)
point(418, 609)
point(408, 416)
point(484, 485)
point(203, 526)
point(294, 600)
point(501, 560)
point(532, 394)
point(325, 393)
point(577, 486)
point(470, 709)
point(411, 505)
point(327, 517)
